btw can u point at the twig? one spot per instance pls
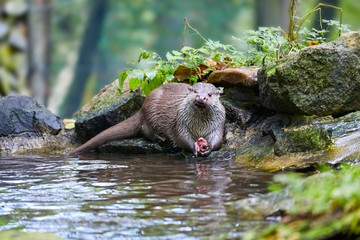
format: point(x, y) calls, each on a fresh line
point(196, 31)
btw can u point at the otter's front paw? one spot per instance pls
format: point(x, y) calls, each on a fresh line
point(202, 147)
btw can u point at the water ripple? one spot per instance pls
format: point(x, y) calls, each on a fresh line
point(122, 197)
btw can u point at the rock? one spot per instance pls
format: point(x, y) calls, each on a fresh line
point(106, 109)
point(246, 76)
point(319, 80)
point(138, 146)
point(23, 115)
point(306, 139)
point(261, 206)
point(320, 206)
point(283, 141)
point(26, 126)
point(241, 104)
point(41, 144)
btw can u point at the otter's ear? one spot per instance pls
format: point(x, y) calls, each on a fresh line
point(220, 90)
point(192, 89)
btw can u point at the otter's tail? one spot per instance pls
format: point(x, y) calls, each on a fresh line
point(125, 129)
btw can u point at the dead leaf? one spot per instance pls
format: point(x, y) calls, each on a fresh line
point(69, 123)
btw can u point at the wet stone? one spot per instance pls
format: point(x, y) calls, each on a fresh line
point(23, 115)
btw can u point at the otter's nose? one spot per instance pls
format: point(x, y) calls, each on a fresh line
point(201, 98)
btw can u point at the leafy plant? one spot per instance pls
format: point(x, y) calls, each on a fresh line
point(148, 78)
point(189, 64)
point(296, 26)
point(264, 42)
point(317, 36)
point(194, 64)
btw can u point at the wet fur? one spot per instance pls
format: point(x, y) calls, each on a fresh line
point(170, 112)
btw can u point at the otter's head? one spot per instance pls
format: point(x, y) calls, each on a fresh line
point(204, 95)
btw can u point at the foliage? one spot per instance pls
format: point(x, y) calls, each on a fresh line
point(325, 205)
point(12, 47)
point(265, 42)
point(296, 26)
point(189, 64)
point(193, 64)
point(317, 36)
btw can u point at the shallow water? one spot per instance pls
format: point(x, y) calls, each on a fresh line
point(126, 197)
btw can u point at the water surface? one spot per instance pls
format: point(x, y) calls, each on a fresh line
point(125, 197)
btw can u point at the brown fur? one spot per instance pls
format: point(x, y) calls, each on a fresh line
point(175, 111)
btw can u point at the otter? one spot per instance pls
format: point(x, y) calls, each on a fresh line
point(191, 117)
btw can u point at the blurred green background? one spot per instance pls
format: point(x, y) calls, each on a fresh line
point(63, 51)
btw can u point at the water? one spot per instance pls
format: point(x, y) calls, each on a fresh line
point(125, 197)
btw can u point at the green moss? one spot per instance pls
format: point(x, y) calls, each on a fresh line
point(108, 96)
point(309, 139)
point(326, 206)
point(312, 138)
point(259, 154)
point(271, 70)
point(255, 153)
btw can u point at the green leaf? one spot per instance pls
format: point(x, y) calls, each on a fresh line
point(187, 49)
point(122, 78)
point(172, 58)
point(148, 86)
point(176, 53)
point(151, 73)
point(138, 73)
point(169, 77)
point(134, 83)
point(193, 79)
point(204, 51)
point(144, 55)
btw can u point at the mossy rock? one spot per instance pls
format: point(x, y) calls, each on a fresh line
point(322, 206)
point(106, 109)
point(319, 80)
point(309, 139)
point(298, 142)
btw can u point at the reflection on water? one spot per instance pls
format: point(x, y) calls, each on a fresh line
point(125, 197)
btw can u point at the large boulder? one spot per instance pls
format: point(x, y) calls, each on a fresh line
point(27, 126)
point(319, 80)
point(23, 115)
